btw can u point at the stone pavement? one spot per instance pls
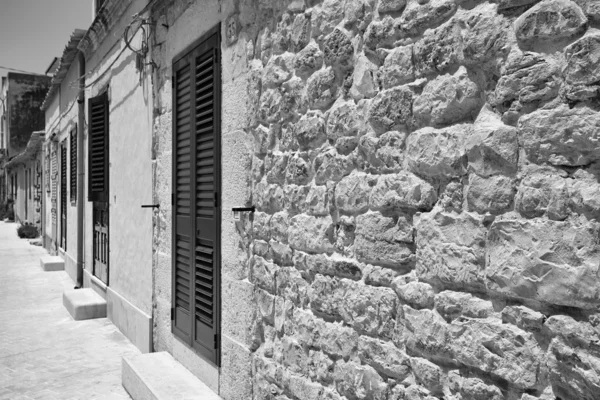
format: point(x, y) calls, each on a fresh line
point(44, 353)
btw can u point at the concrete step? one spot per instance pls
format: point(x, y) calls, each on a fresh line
point(157, 376)
point(84, 304)
point(52, 263)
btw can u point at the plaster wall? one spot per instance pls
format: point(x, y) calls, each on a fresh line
point(112, 67)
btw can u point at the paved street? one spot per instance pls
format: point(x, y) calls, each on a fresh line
point(44, 354)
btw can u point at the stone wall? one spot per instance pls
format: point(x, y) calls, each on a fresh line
point(426, 182)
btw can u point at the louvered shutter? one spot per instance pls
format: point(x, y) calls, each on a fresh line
point(98, 148)
point(182, 210)
point(73, 164)
point(54, 173)
point(63, 195)
point(196, 177)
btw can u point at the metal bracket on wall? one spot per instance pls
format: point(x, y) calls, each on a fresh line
point(237, 211)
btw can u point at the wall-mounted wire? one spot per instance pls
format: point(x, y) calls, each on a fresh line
point(135, 17)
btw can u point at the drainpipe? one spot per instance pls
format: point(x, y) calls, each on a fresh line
point(80, 169)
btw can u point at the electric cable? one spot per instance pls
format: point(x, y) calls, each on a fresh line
point(136, 17)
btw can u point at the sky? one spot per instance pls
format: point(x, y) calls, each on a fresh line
point(33, 32)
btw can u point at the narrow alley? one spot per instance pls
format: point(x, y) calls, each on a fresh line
point(44, 353)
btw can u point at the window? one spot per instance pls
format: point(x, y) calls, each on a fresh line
point(196, 182)
point(73, 164)
point(98, 148)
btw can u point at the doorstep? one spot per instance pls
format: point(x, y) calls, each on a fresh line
point(52, 263)
point(84, 304)
point(158, 376)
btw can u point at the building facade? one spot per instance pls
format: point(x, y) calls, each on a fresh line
point(118, 157)
point(344, 199)
point(25, 174)
point(62, 112)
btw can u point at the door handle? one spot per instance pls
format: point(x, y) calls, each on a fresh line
point(197, 231)
point(151, 206)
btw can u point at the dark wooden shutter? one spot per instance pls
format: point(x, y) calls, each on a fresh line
point(98, 148)
point(196, 178)
point(182, 210)
point(63, 195)
point(73, 164)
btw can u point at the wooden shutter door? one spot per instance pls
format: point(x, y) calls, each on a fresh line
point(63, 196)
point(73, 164)
point(208, 182)
point(182, 209)
point(197, 181)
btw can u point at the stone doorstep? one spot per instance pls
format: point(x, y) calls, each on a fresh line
point(52, 263)
point(158, 376)
point(84, 304)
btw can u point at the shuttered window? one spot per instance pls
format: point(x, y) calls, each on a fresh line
point(73, 164)
point(196, 184)
point(98, 148)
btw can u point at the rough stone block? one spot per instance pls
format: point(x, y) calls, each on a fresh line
point(385, 357)
point(311, 234)
point(84, 304)
point(367, 309)
point(550, 261)
point(543, 190)
point(561, 136)
point(332, 338)
point(501, 350)
point(402, 191)
point(351, 377)
point(493, 147)
point(52, 263)
point(452, 305)
point(451, 248)
point(438, 152)
point(384, 240)
point(551, 20)
point(448, 99)
point(391, 110)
